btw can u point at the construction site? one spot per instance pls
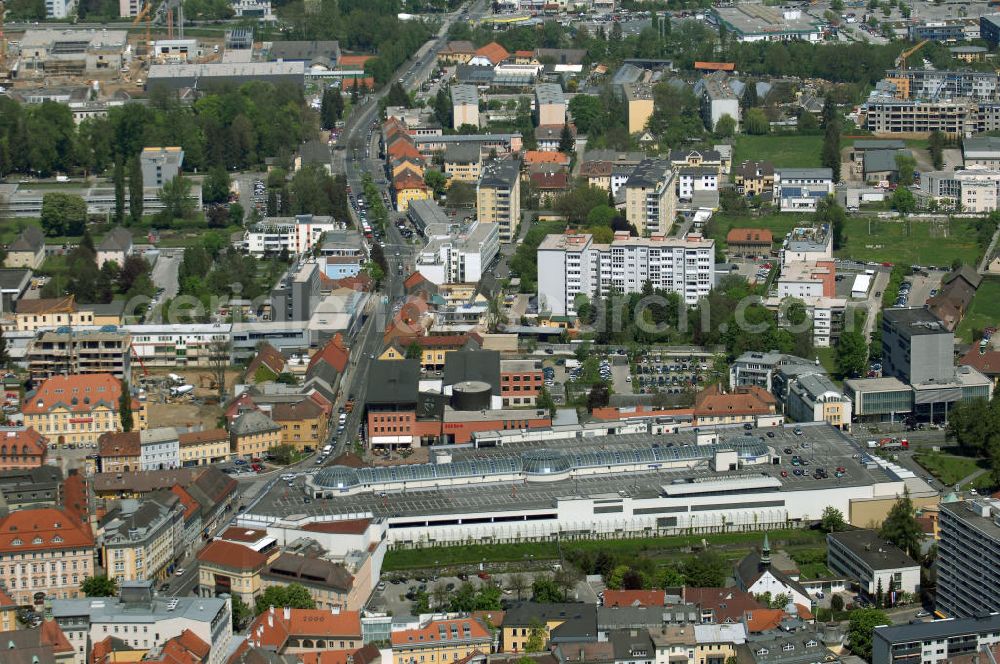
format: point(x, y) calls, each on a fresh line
point(85, 66)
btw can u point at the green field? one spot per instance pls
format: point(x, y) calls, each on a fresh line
point(949, 468)
point(784, 151)
point(795, 540)
point(984, 311)
point(910, 242)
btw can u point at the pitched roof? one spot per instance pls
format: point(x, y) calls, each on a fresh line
point(744, 400)
point(118, 239)
point(273, 629)
point(614, 598)
point(191, 438)
point(365, 655)
point(251, 422)
point(441, 631)
point(232, 556)
point(119, 444)
point(31, 239)
point(306, 409)
point(6, 601)
point(335, 353)
point(47, 305)
point(987, 363)
point(461, 46)
point(78, 393)
point(43, 529)
point(187, 500)
point(267, 356)
point(727, 604)
point(312, 571)
point(550, 181)
point(493, 52)
point(750, 569)
point(26, 441)
point(748, 236)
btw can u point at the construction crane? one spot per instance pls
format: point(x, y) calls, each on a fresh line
point(901, 60)
point(146, 13)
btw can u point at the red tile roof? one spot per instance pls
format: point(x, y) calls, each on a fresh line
point(6, 601)
point(550, 181)
point(22, 442)
point(539, 157)
point(749, 236)
point(186, 648)
point(237, 534)
point(49, 305)
point(430, 635)
point(987, 363)
point(728, 604)
point(187, 500)
point(334, 353)
point(272, 628)
point(715, 66)
point(407, 179)
point(191, 438)
point(364, 655)
point(745, 400)
point(493, 52)
point(267, 356)
point(79, 393)
point(634, 598)
point(75, 496)
point(52, 634)
point(119, 444)
point(232, 556)
point(43, 530)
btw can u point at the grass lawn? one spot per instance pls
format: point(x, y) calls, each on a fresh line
point(949, 468)
point(784, 151)
point(984, 310)
point(910, 242)
point(665, 547)
point(778, 223)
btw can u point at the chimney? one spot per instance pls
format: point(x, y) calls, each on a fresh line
point(272, 609)
point(270, 620)
point(288, 613)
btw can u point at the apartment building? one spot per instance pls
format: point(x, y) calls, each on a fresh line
point(639, 105)
point(464, 106)
point(574, 264)
point(458, 253)
point(45, 554)
point(463, 162)
point(89, 351)
point(175, 345)
point(651, 197)
point(27, 250)
point(231, 568)
point(814, 398)
point(692, 179)
point(78, 409)
point(144, 620)
point(801, 189)
point(445, 640)
point(921, 83)
point(296, 235)
point(160, 165)
point(936, 642)
point(718, 100)
point(968, 557)
point(201, 448)
point(303, 423)
point(289, 632)
point(981, 151)
point(498, 196)
point(142, 539)
point(753, 178)
point(975, 189)
point(876, 564)
point(953, 116)
point(159, 449)
point(550, 104)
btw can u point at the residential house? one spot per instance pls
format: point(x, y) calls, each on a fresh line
point(8, 613)
point(118, 451)
point(22, 448)
point(303, 423)
point(715, 405)
point(434, 348)
point(27, 250)
point(115, 247)
point(489, 55)
point(749, 242)
point(463, 162)
point(801, 189)
point(266, 365)
point(45, 645)
point(253, 434)
point(409, 186)
point(721, 605)
point(754, 178)
point(33, 315)
point(955, 295)
point(142, 540)
point(201, 448)
point(297, 632)
point(562, 623)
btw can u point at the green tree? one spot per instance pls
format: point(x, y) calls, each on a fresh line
point(99, 586)
point(283, 454)
point(588, 116)
point(905, 165)
point(215, 188)
point(397, 96)
point(566, 140)
point(294, 596)
point(436, 180)
point(63, 214)
point(4, 351)
point(725, 127)
point(708, 570)
point(331, 108)
point(903, 200)
point(901, 527)
point(851, 354)
point(241, 613)
point(119, 179)
point(544, 401)
point(135, 201)
point(756, 123)
point(807, 123)
point(545, 590)
point(832, 520)
point(414, 351)
point(750, 95)
point(935, 145)
point(125, 407)
point(836, 603)
point(536, 637)
point(861, 629)
point(176, 198)
point(830, 154)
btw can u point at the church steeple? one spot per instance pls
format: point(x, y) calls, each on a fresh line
point(765, 554)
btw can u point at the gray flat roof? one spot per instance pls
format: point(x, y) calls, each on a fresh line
point(208, 70)
point(873, 550)
point(464, 95)
point(914, 321)
point(829, 448)
point(937, 629)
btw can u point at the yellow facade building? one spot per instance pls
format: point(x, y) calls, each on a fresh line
point(440, 642)
point(201, 448)
point(253, 434)
point(78, 409)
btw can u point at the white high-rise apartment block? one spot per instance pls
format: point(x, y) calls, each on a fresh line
point(573, 263)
